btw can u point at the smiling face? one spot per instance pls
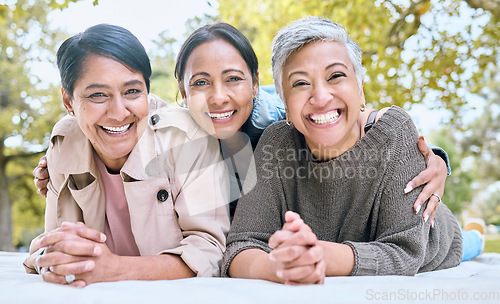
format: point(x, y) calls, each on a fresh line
point(322, 97)
point(109, 102)
point(218, 88)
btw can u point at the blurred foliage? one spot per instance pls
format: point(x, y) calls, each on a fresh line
point(163, 83)
point(413, 50)
point(458, 189)
point(28, 111)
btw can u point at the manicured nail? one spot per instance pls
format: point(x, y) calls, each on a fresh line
point(432, 223)
point(418, 208)
point(408, 189)
point(426, 217)
point(97, 250)
point(51, 268)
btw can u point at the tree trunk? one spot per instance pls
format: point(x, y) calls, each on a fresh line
point(5, 206)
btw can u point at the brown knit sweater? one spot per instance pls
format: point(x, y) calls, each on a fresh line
point(356, 199)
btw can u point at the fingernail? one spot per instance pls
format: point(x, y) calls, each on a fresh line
point(97, 250)
point(87, 266)
point(418, 208)
point(408, 189)
point(432, 223)
point(51, 268)
point(103, 237)
point(426, 217)
point(279, 274)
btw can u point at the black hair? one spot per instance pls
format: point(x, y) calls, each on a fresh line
point(107, 40)
point(211, 32)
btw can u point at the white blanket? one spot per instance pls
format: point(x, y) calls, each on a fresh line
point(476, 281)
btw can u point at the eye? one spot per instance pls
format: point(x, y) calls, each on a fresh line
point(336, 75)
point(98, 97)
point(299, 83)
point(133, 93)
point(199, 83)
point(234, 79)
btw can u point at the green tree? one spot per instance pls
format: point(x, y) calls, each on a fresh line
point(414, 50)
point(27, 111)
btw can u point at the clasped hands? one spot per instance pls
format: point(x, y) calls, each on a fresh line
point(72, 249)
point(297, 255)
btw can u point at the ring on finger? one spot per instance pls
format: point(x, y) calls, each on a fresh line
point(438, 197)
point(70, 278)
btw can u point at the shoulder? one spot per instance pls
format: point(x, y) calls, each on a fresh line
point(163, 116)
point(278, 135)
point(65, 126)
point(395, 121)
point(268, 108)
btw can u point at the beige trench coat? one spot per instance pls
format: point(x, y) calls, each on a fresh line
point(174, 156)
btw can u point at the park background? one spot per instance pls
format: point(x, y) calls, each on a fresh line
point(437, 59)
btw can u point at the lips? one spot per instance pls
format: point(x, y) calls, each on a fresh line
point(325, 118)
point(117, 130)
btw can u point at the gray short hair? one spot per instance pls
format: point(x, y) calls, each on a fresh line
point(303, 31)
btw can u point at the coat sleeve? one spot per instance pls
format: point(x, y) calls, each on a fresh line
point(201, 192)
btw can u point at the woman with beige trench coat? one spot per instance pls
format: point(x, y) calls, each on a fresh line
point(138, 190)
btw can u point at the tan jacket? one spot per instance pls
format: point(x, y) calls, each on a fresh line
point(173, 156)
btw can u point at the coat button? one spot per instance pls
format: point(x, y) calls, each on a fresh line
point(162, 195)
point(154, 119)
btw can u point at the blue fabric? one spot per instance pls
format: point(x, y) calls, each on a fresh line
point(472, 244)
point(441, 153)
point(267, 109)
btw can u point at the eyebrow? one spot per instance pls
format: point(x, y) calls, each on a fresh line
point(232, 70)
point(328, 67)
point(223, 72)
point(200, 73)
point(105, 86)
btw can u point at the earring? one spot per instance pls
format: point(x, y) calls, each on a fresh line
point(363, 107)
point(71, 113)
point(254, 102)
point(288, 121)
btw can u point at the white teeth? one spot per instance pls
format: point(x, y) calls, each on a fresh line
point(116, 129)
point(221, 115)
point(325, 118)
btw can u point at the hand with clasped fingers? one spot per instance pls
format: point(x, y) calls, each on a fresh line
point(297, 255)
point(72, 249)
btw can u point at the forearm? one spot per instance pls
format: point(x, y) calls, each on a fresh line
point(253, 264)
point(339, 258)
point(159, 267)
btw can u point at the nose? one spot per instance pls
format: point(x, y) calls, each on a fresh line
point(218, 96)
point(321, 95)
point(118, 108)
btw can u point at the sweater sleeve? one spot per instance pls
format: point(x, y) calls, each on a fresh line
point(404, 244)
point(260, 212)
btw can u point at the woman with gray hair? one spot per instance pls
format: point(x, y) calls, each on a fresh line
point(328, 199)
